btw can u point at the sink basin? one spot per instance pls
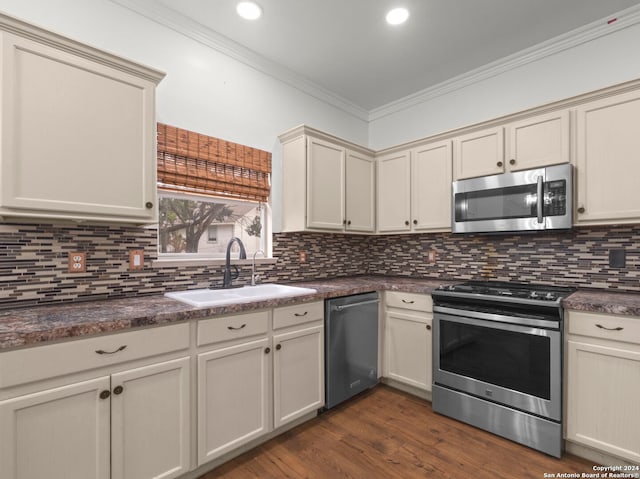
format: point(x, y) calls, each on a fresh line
point(203, 298)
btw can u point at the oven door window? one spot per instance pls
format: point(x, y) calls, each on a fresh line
point(509, 359)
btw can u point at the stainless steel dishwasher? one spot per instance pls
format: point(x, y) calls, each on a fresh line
point(351, 346)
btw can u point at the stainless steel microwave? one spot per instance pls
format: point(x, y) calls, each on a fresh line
point(529, 200)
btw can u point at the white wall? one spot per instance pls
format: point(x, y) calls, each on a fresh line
point(599, 63)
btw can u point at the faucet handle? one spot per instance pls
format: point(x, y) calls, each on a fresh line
point(254, 279)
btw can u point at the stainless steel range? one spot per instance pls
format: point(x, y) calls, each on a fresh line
point(497, 356)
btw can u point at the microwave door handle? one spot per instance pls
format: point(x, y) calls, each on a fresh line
point(540, 201)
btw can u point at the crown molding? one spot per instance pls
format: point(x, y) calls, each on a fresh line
point(578, 36)
point(198, 32)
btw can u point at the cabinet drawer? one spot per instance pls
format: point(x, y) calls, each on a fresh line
point(226, 328)
point(297, 314)
point(41, 362)
point(413, 301)
point(605, 326)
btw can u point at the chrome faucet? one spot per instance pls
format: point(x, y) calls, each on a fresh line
point(228, 277)
point(255, 277)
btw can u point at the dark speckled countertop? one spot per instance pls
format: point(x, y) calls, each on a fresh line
point(37, 325)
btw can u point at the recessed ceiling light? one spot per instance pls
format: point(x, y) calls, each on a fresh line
point(249, 10)
point(397, 16)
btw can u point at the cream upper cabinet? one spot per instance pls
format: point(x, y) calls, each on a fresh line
point(603, 375)
point(607, 166)
point(479, 153)
point(414, 189)
point(360, 192)
point(538, 141)
point(327, 184)
point(394, 192)
point(78, 131)
point(407, 339)
point(431, 186)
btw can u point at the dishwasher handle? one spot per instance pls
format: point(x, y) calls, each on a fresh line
point(353, 305)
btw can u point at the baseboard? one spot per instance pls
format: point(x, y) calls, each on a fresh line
point(596, 456)
point(421, 393)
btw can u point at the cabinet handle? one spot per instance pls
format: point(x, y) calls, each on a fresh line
point(619, 328)
point(512, 162)
point(348, 222)
point(428, 327)
point(102, 351)
point(408, 302)
point(406, 223)
point(344, 222)
point(300, 314)
point(581, 209)
point(233, 328)
point(499, 164)
point(267, 350)
point(118, 390)
point(105, 394)
point(148, 205)
point(278, 347)
point(415, 222)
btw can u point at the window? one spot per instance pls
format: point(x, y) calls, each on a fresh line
point(209, 192)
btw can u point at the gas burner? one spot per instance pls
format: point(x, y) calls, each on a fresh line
point(527, 293)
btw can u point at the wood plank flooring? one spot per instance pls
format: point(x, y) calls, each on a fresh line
point(385, 433)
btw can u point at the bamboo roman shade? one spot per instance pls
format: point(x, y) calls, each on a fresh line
point(189, 162)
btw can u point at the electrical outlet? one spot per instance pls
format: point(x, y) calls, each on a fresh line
point(617, 258)
point(77, 262)
point(302, 256)
point(136, 259)
point(431, 256)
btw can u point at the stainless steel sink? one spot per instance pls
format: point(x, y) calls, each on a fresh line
point(203, 298)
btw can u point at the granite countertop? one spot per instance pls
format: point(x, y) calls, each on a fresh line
point(37, 325)
point(40, 324)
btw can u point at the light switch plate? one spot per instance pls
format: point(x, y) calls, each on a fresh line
point(136, 259)
point(617, 258)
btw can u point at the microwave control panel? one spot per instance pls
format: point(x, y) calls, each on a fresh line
point(555, 198)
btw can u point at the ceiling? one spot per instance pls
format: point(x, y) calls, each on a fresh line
point(345, 46)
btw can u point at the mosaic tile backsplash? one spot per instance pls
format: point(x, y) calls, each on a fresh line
point(34, 260)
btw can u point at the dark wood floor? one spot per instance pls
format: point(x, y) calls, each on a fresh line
point(385, 433)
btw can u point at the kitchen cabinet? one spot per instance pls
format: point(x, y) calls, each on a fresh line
point(258, 378)
point(129, 424)
point(328, 184)
point(78, 131)
point(607, 170)
point(603, 375)
point(532, 142)
point(414, 189)
point(298, 361)
point(408, 321)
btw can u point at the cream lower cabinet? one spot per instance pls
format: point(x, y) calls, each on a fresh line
point(407, 339)
point(131, 425)
point(603, 376)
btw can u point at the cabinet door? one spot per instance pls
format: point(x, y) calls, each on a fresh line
point(57, 433)
point(602, 398)
point(408, 349)
point(431, 186)
point(78, 137)
point(394, 192)
point(607, 166)
point(325, 185)
point(298, 374)
point(478, 154)
point(233, 397)
point(539, 141)
point(150, 421)
point(360, 177)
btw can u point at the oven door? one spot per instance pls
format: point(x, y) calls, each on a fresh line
point(517, 366)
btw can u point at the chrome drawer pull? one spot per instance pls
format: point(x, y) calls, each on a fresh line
point(300, 314)
point(102, 351)
point(233, 328)
point(407, 302)
point(619, 328)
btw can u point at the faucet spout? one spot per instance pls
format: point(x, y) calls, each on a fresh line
point(228, 276)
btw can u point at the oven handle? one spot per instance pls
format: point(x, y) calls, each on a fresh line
point(499, 318)
point(516, 328)
point(540, 199)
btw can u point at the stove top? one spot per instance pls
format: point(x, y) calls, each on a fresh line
point(538, 293)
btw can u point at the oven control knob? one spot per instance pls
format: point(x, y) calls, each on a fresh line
point(533, 295)
point(550, 296)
